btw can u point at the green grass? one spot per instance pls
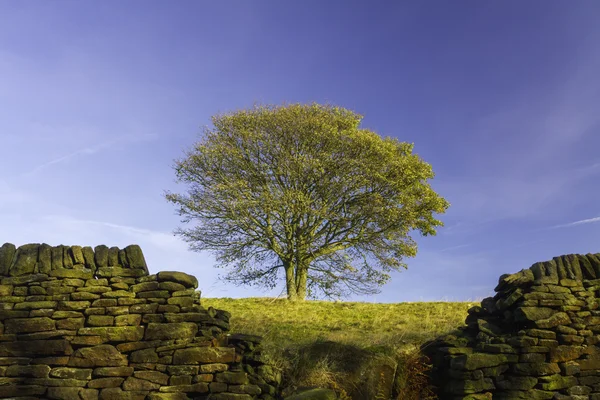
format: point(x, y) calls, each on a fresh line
point(394, 329)
point(400, 326)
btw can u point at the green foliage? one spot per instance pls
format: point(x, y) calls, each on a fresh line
point(302, 192)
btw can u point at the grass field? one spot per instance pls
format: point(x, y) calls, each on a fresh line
point(393, 329)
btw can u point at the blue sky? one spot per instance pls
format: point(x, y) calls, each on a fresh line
point(503, 99)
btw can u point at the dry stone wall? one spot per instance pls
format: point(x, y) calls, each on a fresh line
point(83, 323)
point(537, 338)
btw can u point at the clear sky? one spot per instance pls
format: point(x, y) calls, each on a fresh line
point(503, 99)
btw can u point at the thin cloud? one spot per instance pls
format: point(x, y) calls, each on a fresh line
point(91, 150)
point(580, 222)
point(490, 200)
point(157, 238)
point(455, 247)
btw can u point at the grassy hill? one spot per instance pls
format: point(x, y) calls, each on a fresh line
point(394, 329)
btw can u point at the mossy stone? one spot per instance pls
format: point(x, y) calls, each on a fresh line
point(135, 257)
point(33, 371)
point(103, 355)
point(29, 325)
point(67, 257)
point(169, 331)
point(57, 257)
point(557, 382)
point(71, 373)
point(77, 255)
point(133, 383)
point(123, 259)
point(468, 386)
point(25, 260)
point(115, 333)
point(204, 355)
point(113, 371)
point(517, 383)
point(101, 256)
point(479, 360)
point(45, 258)
point(557, 319)
point(54, 347)
point(72, 273)
point(189, 281)
point(167, 396)
point(536, 369)
point(113, 256)
point(88, 257)
point(533, 313)
point(7, 254)
point(153, 376)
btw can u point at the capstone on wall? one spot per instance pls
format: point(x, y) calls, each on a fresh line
point(83, 323)
point(537, 338)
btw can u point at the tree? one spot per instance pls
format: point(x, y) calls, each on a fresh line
point(301, 192)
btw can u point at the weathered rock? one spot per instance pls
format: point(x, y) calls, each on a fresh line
point(34, 371)
point(557, 382)
point(44, 258)
point(153, 376)
point(113, 371)
point(533, 313)
point(36, 347)
point(206, 355)
point(78, 323)
point(186, 280)
point(7, 255)
point(113, 257)
point(115, 334)
point(544, 320)
point(101, 256)
point(144, 356)
point(71, 373)
point(479, 360)
point(103, 355)
point(167, 396)
point(27, 325)
point(180, 330)
point(25, 260)
point(135, 257)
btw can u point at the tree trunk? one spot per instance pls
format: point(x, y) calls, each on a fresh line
point(301, 278)
point(290, 282)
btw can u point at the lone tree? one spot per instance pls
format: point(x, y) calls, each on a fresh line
point(301, 192)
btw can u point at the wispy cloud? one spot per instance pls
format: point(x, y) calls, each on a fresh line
point(451, 248)
point(91, 150)
point(576, 223)
point(491, 199)
point(159, 239)
point(163, 251)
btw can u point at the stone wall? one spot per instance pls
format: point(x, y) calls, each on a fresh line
point(83, 323)
point(537, 338)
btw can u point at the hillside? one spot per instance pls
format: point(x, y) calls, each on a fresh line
point(395, 330)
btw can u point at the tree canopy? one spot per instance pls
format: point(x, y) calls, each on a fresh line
point(301, 192)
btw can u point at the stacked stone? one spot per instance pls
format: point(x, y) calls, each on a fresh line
point(537, 338)
point(83, 323)
point(254, 363)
